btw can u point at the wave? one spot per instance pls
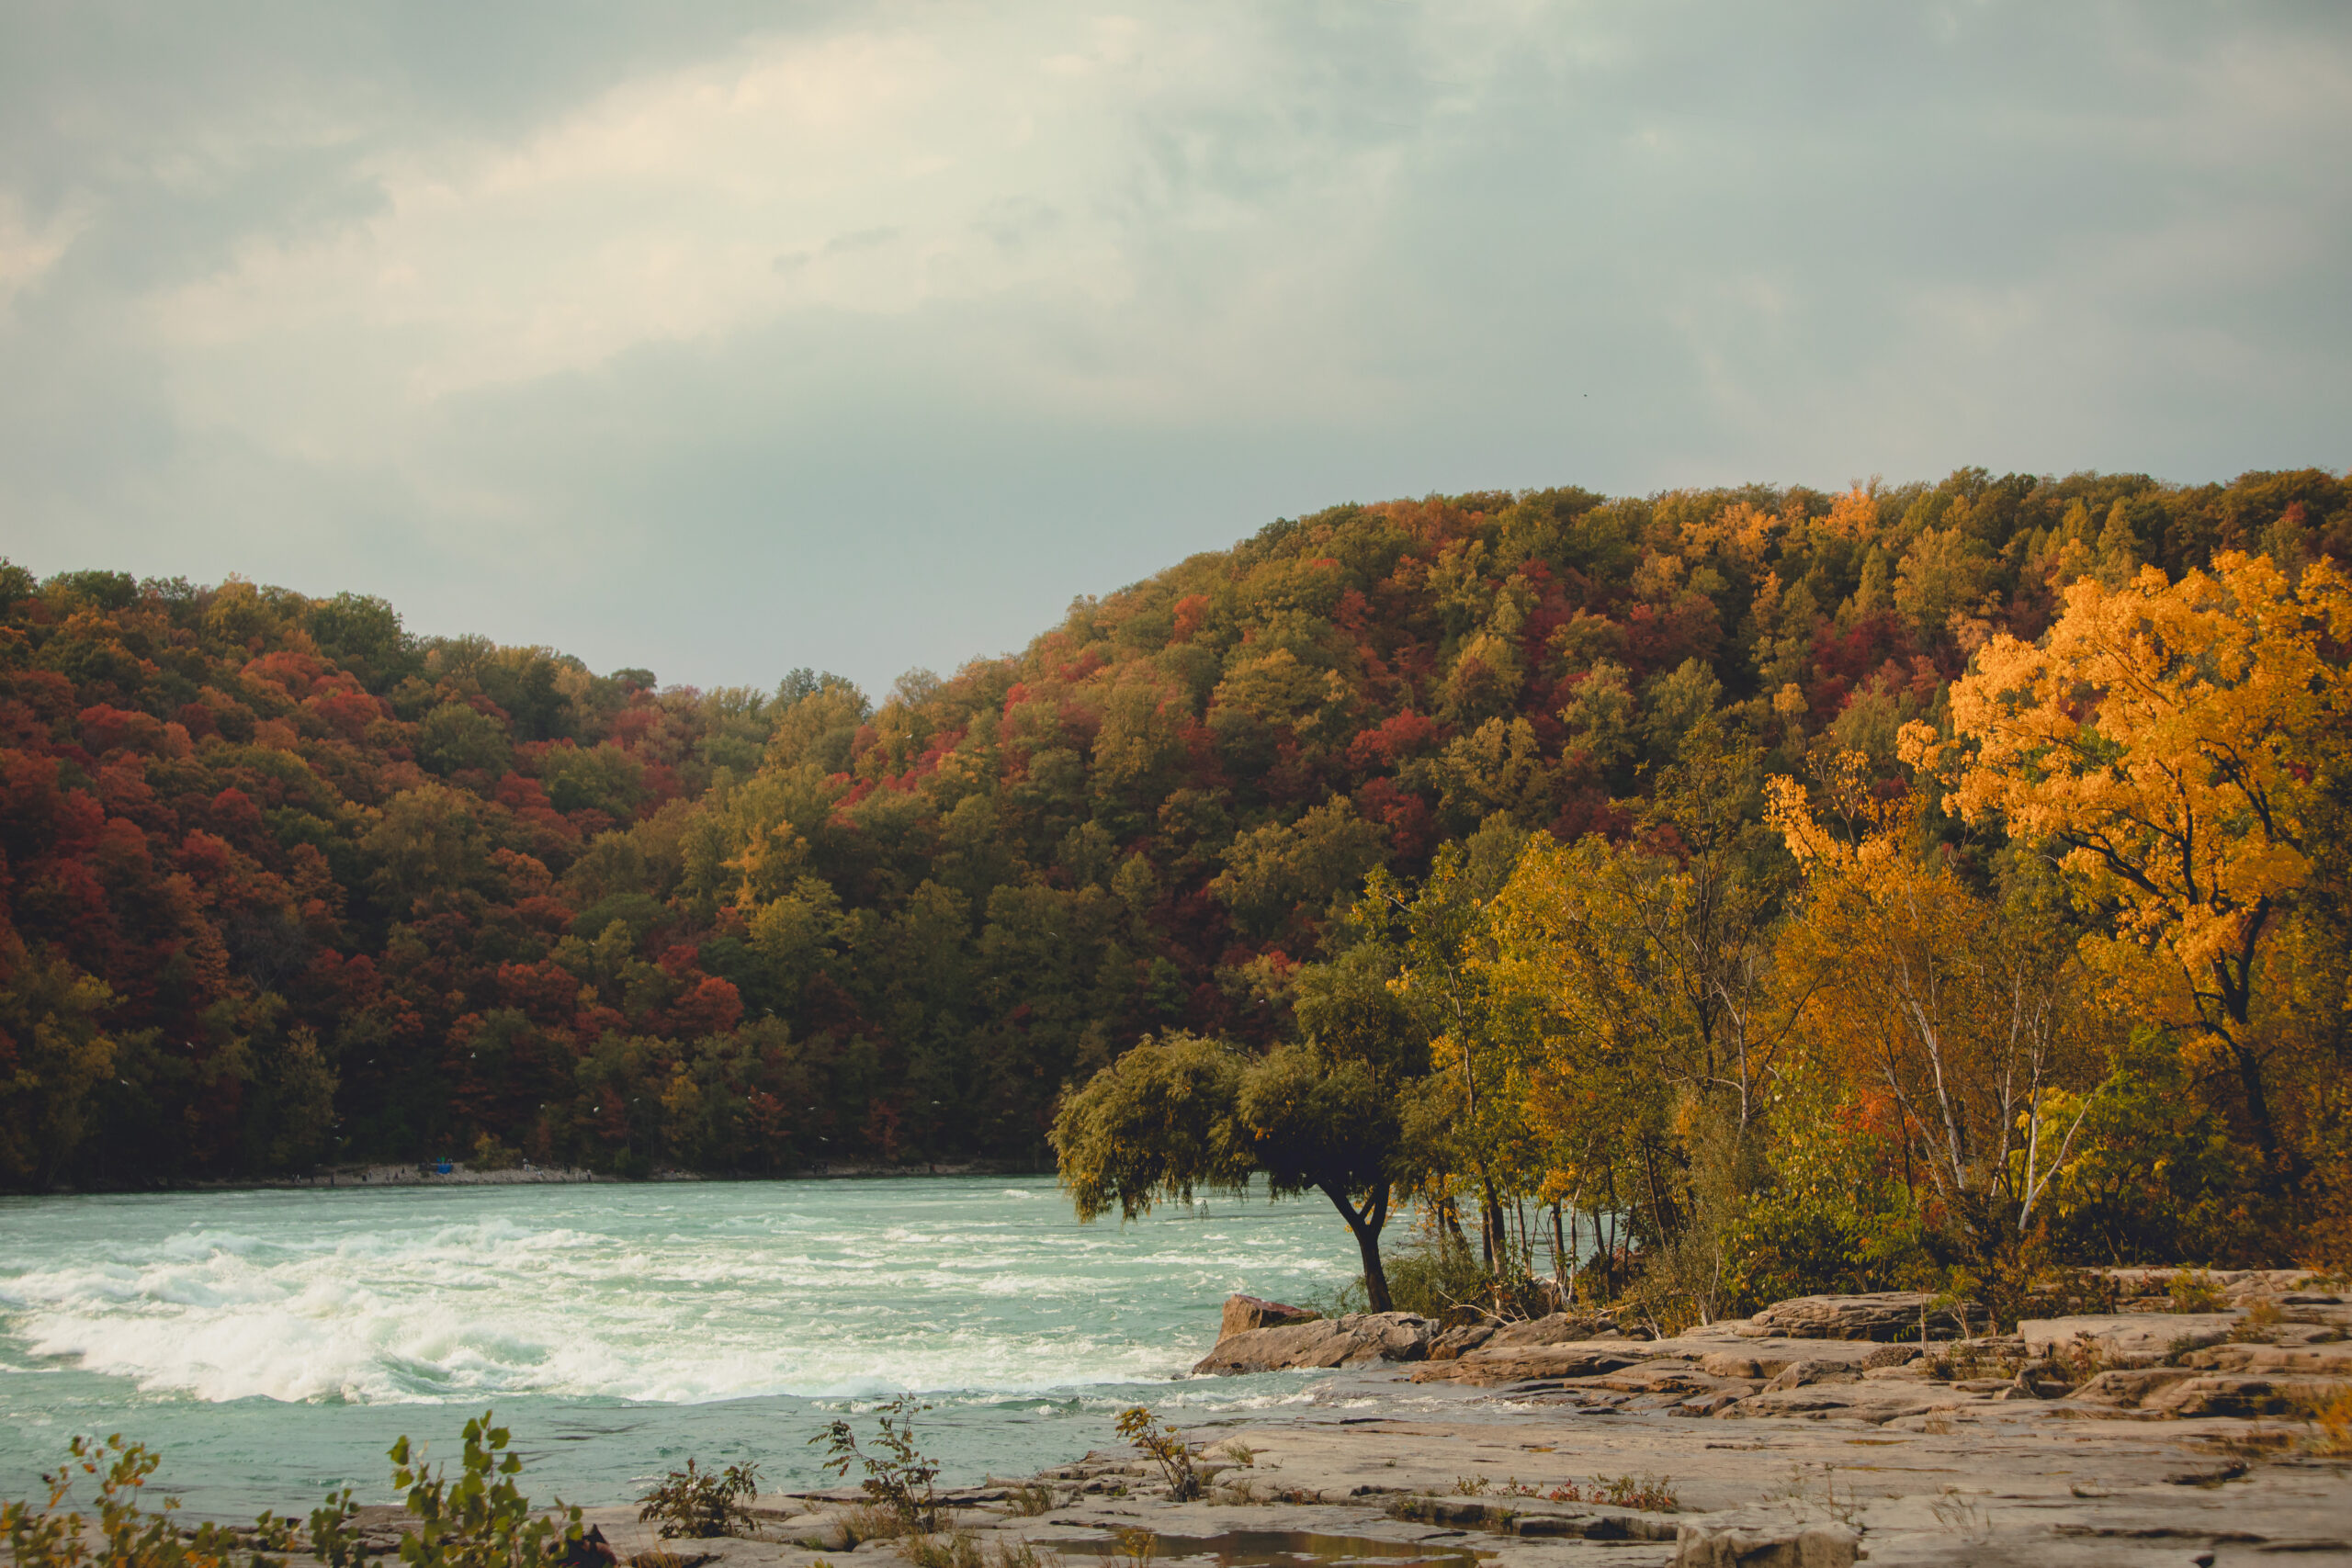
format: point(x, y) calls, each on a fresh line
point(401, 1297)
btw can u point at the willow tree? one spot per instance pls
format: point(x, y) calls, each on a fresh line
point(1179, 1115)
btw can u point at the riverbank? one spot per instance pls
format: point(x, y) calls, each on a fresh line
point(428, 1173)
point(1808, 1437)
point(1386, 1473)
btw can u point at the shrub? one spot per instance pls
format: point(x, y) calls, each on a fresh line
point(898, 1480)
point(1172, 1454)
point(43, 1536)
point(699, 1503)
point(481, 1520)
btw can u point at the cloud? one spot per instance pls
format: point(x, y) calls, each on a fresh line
point(872, 339)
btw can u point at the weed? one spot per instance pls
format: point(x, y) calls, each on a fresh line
point(1470, 1485)
point(478, 1522)
point(2332, 1421)
point(44, 1538)
point(1644, 1493)
point(1174, 1456)
point(1647, 1494)
point(1802, 1495)
point(871, 1521)
point(1019, 1553)
point(1030, 1500)
point(2260, 1324)
point(2194, 1290)
point(900, 1477)
point(1136, 1548)
point(954, 1548)
point(698, 1503)
point(1239, 1452)
point(1959, 1514)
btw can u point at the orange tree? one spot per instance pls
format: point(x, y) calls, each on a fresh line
point(1967, 1011)
point(2179, 745)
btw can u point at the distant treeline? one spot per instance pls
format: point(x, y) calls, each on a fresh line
point(285, 885)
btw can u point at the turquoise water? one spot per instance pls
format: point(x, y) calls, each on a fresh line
point(271, 1345)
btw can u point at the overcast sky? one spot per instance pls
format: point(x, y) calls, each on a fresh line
point(726, 339)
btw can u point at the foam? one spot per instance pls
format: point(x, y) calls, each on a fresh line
point(393, 1297)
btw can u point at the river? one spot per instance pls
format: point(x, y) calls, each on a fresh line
point(271, 1345)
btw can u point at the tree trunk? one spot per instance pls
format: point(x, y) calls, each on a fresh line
point(1366, 1225)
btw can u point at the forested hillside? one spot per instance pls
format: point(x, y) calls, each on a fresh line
point(285, 886)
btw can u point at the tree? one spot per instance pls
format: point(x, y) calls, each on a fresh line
point(2171, 741)
point(1182, 1114)
point(54, 1051)
point(1968, 1016)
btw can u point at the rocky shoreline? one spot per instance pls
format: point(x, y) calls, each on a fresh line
point(1820, 1433)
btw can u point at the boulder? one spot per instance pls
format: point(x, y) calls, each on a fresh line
point(1356, 1341)
point(1881, 1316)
point(1243, 1313)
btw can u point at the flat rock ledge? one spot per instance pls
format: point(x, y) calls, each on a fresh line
point(1358, 1340)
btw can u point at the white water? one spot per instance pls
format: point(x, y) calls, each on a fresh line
point(272, 1343)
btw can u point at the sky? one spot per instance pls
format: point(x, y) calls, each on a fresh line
point(725, 339)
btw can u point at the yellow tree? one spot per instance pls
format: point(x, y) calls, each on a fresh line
point(1959, 1013)
point(2171, 741)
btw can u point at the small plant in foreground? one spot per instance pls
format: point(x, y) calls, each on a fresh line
point(950, 1549)
point(2332, 1423)
point(1470, 1485)
point(1030, 1500)
point(1176, 1458)
point(2194, 1290)
point(1643, 1494)
point(481, 1520)
point(42, 1537)
point(697, 1503)
point(900, 1477)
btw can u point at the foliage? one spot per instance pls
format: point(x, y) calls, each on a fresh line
point(699, 1503)
point(897, 1478)
point(50, 1536)
point(285, 886)
point(481, 1520)
point(2189, 787)
point(1176, 1458)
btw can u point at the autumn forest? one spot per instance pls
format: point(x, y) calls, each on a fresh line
point(1829, 887)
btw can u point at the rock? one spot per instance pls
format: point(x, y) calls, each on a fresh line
point(1703, 1546)
point(1243, 1313)
point(2126, 1388)
point(2333, 1359)
point(1883, 1314)
point(1455, 1342)
point(2141, 1337)
point(1876, 1402)
point(2225, 1395)
point(1726, 1364)
point(1358, 1340)
point(1491, 1364)
point(1894, 1355)
point(1797, 1375)
point(1558, 1328)
point(591, 1550)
